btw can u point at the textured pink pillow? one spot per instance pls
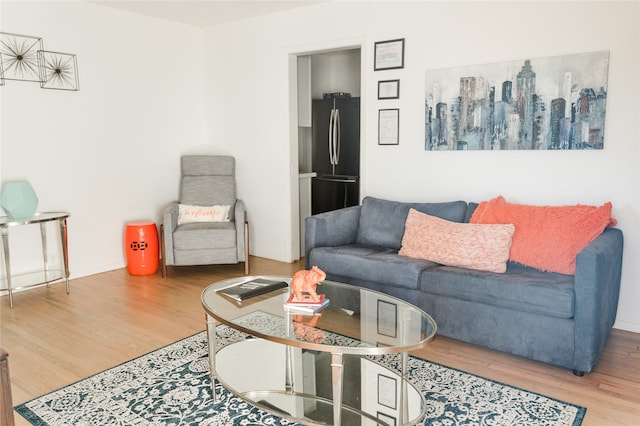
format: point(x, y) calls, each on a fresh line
point(473, 246)
point(547, 237)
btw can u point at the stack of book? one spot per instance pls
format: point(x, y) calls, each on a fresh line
point(248, 289)
point(306, 305)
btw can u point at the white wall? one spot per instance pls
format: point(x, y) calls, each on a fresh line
point(108, 153)
point(335, 72)
point(248, 109)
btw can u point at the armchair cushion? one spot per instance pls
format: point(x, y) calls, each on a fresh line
point(204, 235)
point(208, 181)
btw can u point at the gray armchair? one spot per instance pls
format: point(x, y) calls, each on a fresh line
point(207, 180)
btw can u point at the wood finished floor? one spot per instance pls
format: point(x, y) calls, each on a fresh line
point(55, 339)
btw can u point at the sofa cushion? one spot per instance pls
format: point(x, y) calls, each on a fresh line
point(520, 288)
point(471, 208)
point(467, 245)
point(547, 237)
point(366, 263)
point(382, 222)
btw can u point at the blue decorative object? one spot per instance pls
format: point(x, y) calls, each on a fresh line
point(19, 200)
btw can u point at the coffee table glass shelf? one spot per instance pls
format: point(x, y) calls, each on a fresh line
point(320, 369)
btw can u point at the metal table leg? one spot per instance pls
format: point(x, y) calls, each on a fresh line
point(45, 258)
point(7, 262)
point(404, 401)
point(6, 401)
point(337, 373)
point(65, 251)
point(211, 339)
point(288, 375)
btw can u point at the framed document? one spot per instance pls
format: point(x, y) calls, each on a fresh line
point(388, 55)
point(388, 126)
point(387, 391)
point(391, 421)
point(387, 319)
point(389, 89)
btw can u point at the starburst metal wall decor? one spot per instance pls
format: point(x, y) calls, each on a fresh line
point(23, 58)
point(1, 72)
point(20, 56)
point(58, 70)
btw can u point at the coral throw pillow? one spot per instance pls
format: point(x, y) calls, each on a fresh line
point(547, 237)
point(473, 246)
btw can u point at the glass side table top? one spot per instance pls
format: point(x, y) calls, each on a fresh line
point(356, 321)
point(36, 218)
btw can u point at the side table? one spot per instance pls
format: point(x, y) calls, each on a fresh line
point(47, 275)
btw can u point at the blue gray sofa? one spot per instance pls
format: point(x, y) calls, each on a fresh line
point(554, 318)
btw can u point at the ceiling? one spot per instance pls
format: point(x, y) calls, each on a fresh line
point(202, 13)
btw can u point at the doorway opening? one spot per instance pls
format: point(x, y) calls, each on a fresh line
point(334, 75)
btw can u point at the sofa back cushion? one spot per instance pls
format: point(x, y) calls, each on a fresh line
point(471, 207)
point(382, 221)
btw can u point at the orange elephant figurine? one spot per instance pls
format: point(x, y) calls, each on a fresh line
point(305, 281)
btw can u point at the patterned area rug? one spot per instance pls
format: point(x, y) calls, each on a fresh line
point(171, 386)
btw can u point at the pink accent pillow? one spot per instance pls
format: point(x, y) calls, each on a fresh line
point(547, 237)
point(473, 246)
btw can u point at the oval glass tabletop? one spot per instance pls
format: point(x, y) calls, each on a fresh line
point(356, 320)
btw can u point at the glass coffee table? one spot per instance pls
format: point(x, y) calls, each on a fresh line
point(322, 368)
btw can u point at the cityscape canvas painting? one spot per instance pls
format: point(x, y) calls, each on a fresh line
point(552, 103)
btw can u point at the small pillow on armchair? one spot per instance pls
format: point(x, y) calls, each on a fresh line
point(189, 214)
point(466, 245)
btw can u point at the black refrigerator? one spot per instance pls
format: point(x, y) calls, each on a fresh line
point(335, 154)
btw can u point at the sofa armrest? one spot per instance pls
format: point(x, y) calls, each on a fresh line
point(334, 228)
point(169, 222)
point(597, 289)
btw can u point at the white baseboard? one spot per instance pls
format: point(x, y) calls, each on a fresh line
point(627, 326)
point(79, 273)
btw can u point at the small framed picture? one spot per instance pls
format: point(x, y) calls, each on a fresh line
point(389, 89)
point(387, 391)
point(388, 126)
point(388, 55)
point(387, 419)
point(387, 319)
